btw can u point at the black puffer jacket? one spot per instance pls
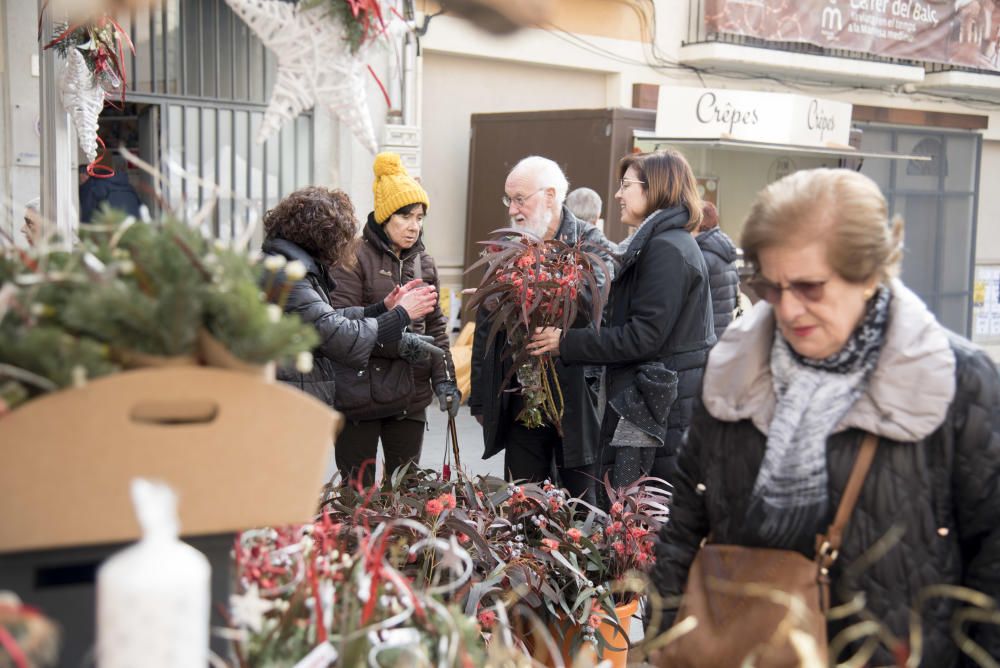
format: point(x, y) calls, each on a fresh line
point(720, 257)
point(115, 191)
point(934, 401)
point(659, 309)
point(345, 335)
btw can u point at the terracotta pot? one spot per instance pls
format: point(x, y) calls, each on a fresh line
point(214, 353)
point(616, 646)
point(613, 637)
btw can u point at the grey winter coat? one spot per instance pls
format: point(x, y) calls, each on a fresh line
point(580, 386)
point(346, 335)
point(720, 258)
point(934, 402)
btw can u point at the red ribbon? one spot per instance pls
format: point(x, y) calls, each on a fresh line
point(381, 87)
point(320, 627)
point(96, 170)
point(13, 650)
point(119, 35)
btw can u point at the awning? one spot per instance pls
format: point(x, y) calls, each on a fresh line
point(646, 141)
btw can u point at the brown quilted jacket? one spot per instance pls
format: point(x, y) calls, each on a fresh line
point(389, 385)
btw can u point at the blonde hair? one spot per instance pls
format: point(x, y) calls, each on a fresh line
point(668, 181)
point(843, 207)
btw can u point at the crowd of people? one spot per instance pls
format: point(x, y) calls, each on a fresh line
point(756, 423)
point(835, 420)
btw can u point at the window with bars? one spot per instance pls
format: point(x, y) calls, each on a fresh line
point(198, 86)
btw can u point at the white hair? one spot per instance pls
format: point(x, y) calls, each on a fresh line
point(546, 174)
point(585, 204)
point(34, 205)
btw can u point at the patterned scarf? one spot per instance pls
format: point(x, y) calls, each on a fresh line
point(789, 503)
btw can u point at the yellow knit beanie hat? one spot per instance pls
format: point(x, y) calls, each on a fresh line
point(394, 188)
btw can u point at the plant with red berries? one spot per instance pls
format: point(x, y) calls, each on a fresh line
point(637, 512)
point(531, 283)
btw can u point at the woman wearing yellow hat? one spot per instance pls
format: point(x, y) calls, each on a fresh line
point(388, 400)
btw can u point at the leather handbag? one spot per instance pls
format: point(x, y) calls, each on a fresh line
point(764, 604)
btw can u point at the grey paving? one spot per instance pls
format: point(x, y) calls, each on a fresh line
point(470, 441)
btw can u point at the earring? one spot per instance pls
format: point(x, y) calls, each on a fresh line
point(869, 293)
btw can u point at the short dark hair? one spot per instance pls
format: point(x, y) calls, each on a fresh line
point(405, 211)
point(668, 181)
point(318, 220)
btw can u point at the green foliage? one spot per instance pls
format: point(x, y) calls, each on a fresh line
point(131, 287)
point(151, 304)
point(72, 40)
point(36, 353)
point(356, 16)
point(12, 393)
point(53, 354)
point(129, 320)
point(234, 307)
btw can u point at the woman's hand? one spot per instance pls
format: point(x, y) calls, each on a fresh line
point(545, 341)
point(392, 299)
point(419, 301)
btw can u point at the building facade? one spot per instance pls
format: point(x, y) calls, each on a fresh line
point(199, 82)
point(594, 54)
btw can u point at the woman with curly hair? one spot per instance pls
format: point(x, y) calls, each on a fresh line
point(317, 227)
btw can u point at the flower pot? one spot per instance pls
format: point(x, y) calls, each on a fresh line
point(613, 637)
point(214, 353)
point(616, 646)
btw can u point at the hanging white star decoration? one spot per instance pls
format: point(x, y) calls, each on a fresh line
point(315, 66)
point(83, 99)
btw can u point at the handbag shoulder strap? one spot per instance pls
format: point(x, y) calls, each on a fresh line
point(828, 545)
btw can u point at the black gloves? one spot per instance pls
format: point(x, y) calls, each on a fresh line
point(417, 347)
point(448, 389)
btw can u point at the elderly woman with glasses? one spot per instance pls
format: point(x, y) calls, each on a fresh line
point(838, 349)
point(658, 325)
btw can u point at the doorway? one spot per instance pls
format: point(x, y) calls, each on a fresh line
point(937, 201)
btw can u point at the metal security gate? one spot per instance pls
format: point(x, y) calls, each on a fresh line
point(937, 200)
point(198, 86)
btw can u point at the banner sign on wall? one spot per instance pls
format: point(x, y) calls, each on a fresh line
point(779, 118)
point(955, 32)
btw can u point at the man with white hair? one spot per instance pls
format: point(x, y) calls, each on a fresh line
point(586, 205)
point(534, 194)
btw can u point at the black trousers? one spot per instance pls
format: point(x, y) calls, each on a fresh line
point(357, 447)
point(530, 454)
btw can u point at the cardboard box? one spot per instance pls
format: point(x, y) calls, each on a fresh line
point(239, 451)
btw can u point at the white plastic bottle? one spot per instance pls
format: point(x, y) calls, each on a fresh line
point(154, 597)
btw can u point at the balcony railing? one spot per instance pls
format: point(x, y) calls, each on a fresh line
point(943, 67)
